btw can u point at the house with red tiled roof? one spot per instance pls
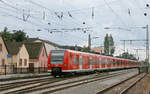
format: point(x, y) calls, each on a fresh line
point(3, 52)
point(37, 56)
point(99, 49)
point(3, 55)
point(18, 56)
point(48, 44)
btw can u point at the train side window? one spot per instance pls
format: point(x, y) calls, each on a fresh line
point(94, 61)
point(106, 61)
point(83, 60)
point(114, 62)
point(111, 62)
point(99, 61)
point(77, 61)
point(80, 60)
point(117, 62)
point(88, 61)
point(74, 60)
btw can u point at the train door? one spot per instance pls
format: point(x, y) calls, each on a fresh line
point(80, 63)
point(100, 62)
point(91, 63)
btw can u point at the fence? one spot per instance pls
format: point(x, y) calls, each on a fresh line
point(11, 69)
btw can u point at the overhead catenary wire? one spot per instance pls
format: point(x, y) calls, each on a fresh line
point(46, 8)
point(35, 24)
point(17, 17)
point(21, 11)
point(141, 9)
point(16, 8)
point(51, 11)
point(114, 13)
point(67, 18)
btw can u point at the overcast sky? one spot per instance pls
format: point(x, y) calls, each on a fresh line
point(43, 16)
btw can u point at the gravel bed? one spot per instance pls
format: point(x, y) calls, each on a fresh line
point(21, 80)
point(94, 87)
point(120, 87)
point(142, 87)
point(13, 77)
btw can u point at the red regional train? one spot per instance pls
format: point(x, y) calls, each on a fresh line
point(69, 61)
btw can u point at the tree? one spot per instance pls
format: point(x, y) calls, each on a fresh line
point(109, 48)
point(17, 35)
point(106, 45)
point(111, 44)
point(86, 49)
point(6, 34)
point(126, 55)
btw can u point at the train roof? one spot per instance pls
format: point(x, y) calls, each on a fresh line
point(96, 54)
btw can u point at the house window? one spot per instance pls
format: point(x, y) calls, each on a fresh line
point(25, 62)
point(0, 47)
point(3, 62)
point(20, 62)
point(43, 53)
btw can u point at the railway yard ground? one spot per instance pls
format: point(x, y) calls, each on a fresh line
point(141, 87)
point(10, 77)
point(118, 82)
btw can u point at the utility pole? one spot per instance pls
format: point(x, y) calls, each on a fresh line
point(89, 42)
point(124, 42)
point(108, 45)
point(147, 47)
point(147, 44)
point(137, 52)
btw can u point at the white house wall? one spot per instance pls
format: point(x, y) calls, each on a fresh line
point(50, 47)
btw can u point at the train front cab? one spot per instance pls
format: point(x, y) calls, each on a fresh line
point(57, 62)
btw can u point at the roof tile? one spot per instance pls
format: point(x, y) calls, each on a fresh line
point(34, 49)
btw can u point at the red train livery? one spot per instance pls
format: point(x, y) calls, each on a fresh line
point(69, 61)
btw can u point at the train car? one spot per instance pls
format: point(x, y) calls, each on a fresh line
point(69, 61)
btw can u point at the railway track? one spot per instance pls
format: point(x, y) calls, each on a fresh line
point(24, 83)
point(56, 86)
point(132, 84)
point(42, 81)
point(23, 80)
point(123, 86)
point(31, 83)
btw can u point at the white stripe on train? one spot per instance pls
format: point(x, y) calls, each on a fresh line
point(87, 70)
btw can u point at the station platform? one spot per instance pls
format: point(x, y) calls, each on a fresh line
point(22, 76)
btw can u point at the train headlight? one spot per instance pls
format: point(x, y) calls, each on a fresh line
point(64, 64)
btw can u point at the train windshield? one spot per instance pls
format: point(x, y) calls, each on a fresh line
point(57, 56)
